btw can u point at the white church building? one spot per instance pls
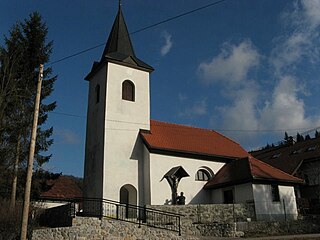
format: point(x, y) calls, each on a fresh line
point(129, 157)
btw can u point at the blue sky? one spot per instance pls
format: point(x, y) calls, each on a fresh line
point(249, 69)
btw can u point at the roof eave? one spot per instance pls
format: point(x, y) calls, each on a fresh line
point(228, 184)
point(109, 60)
point(278, 181)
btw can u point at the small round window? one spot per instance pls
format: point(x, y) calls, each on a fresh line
point(203, 175)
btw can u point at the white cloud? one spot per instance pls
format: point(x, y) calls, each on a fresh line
point(199, 108)
point(300, 39)
point(252, 106)
point(165, 49)
point(232, 64)
point(68, 137)
point(285, 110)
point(182, 97)
point(312, 12)
point(242, 113)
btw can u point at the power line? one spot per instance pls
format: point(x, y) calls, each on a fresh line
point(178, 126)
point(179, 16)
point(140, 30)
point(69, 115)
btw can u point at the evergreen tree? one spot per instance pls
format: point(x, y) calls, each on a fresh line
point(25, 49)
point(307, 137)
point(286, 137)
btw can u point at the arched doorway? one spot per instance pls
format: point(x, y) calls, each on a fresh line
point(128, 196)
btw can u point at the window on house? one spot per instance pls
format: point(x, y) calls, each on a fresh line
point(275, 193)
point(276, 155)
point(309, 149)
point(297, 151)
point(202, 175)
point(97, 92)
point(128, 91)
point(228, 196)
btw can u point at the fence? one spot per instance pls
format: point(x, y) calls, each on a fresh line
point(94, 207)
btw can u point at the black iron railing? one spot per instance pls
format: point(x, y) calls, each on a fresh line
point(95, 207)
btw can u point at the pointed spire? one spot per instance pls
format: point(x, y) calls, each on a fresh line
point(119, 39)
point(119, 48)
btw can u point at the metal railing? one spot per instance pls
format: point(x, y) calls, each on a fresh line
point(94, 207)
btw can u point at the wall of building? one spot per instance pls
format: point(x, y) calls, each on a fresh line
point(160, 191)
point(94, 152)
point(243, 193)
point(123, 121)
point(266, 209)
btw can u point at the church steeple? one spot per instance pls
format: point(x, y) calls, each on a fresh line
point(119, 40)
point(119, 48)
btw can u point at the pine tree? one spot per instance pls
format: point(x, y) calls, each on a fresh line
point(286, 137)
point(25, 49)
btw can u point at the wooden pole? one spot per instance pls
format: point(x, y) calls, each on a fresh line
point(26, 203)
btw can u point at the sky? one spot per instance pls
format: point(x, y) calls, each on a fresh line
point(245, 68)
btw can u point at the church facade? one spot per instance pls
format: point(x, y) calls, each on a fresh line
point(131, 158)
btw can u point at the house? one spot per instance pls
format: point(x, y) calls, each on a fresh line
point(249, 180)
point(64, 187)
point(301, 159)
point(135, 160)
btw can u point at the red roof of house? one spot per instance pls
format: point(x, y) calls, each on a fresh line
point(288, 157)
point(186, 139)
point(247, 170)
point(62, 187)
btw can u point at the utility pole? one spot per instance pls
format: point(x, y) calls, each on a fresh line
point(26, 203)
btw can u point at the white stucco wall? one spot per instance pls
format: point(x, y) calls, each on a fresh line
point(114, 152)
point(243, 193)
point(123, 120)
point(266, 209)
point(160, 191)
point(94, 152)
point(261, 195)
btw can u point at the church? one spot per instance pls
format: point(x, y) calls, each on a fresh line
point(135, 160)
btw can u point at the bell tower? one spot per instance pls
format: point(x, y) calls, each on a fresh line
point(118, 107)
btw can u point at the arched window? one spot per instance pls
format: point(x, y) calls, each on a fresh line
point(203, 175)
point(97, 92)
point(128, 90)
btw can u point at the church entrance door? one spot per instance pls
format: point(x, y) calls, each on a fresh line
point(128, 196)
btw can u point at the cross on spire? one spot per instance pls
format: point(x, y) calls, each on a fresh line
point(120, 4)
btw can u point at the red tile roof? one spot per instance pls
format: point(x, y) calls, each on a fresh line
point(63, 187)
point(249, 169)
point(186, 139)
point(288, 157)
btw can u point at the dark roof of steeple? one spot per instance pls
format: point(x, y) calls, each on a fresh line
point(119, 39)
point(119, 48)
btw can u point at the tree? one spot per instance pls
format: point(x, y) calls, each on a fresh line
point(300, 137)
point(25, 49)
point(286, 137)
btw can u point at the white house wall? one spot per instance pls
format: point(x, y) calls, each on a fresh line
point(243, 193)
point(192, 189)
point(266, 209)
